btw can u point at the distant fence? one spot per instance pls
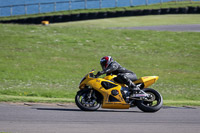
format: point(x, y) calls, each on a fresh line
point(36, 8)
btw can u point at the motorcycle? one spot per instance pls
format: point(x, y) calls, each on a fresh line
point(104, 92)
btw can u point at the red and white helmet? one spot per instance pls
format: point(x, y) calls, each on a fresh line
point(105, 61)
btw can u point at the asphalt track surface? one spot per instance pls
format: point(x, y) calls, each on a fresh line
point(42, 118)
point(177, 28)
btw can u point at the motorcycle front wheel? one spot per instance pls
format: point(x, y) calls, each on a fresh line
point(152, 104)
point(86, 100)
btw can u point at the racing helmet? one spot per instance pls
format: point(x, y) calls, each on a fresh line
point(105, 61)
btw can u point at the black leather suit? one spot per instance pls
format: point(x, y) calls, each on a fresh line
point(123, 75)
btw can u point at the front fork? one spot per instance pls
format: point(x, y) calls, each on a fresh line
point(90, 94)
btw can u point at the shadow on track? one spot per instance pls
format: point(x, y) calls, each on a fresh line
point(108, 110)
point(78, 110)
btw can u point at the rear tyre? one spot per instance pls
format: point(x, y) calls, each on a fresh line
point(86, 100)
point(151, 105)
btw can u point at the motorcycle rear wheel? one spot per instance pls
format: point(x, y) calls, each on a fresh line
point(86, 103)
point(150, 106)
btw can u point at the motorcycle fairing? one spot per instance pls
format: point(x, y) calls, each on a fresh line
point(147, 80)
point(107, 85)
point(109, 100)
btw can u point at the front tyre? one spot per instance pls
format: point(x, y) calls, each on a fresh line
point(86, 100)
point(153, 104)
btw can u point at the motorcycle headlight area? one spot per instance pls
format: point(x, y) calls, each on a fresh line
point(82, 80)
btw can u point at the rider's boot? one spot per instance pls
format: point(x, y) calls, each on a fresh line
point(136, 91)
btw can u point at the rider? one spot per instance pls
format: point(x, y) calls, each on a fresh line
point(109, 66)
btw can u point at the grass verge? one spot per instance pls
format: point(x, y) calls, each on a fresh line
point(181, 103)
point(8, 98)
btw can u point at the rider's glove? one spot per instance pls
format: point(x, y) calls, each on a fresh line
point(99, 74)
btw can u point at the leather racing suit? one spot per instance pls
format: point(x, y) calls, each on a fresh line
point(123, 75)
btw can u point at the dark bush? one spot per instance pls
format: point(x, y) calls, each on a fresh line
point(128, 13)
point(192, 9)
point(120, 13)
point(137, 12)
point(198, 9)
point(155, 11)
point(182, 10)
point(83, 16)
point(75, 17)
point(48, 18)
point(173, 10)
point(102, 15)
point(92, 15)
point(111, 14)
point(164, 11)
point(146, 12)
point(66, 18)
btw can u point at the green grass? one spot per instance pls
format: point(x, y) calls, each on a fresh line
point(137, 21)
point(152, 6)
point(45, 63)
point(8, 98)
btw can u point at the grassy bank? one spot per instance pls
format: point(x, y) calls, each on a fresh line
point(47, 62)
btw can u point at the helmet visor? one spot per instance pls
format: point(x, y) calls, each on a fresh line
point(103, 63)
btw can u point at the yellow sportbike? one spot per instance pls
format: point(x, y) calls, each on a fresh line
point(104, 92)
